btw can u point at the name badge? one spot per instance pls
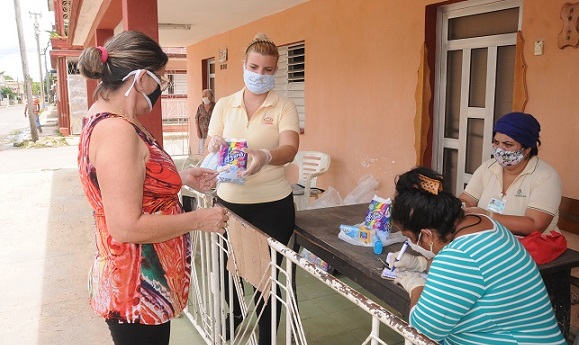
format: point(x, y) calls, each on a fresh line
point(497, 205)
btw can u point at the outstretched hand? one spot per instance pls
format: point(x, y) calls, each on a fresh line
point(201, 179)
point(259, 159)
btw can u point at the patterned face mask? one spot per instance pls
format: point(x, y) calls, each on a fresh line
point(508, 158)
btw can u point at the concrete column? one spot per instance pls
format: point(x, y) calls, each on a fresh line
point(141, 15)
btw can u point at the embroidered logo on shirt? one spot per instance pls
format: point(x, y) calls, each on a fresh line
point(520, 194)
point(267, 120)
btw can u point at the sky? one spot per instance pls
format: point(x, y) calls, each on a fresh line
point(10, 61)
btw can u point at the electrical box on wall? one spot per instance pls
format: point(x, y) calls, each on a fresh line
point(539, 47)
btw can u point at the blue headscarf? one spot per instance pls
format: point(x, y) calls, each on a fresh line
point(522, 127)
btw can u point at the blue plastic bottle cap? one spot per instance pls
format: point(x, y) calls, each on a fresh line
point(378, 246)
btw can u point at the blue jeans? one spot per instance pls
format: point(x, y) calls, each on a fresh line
point(37, 119)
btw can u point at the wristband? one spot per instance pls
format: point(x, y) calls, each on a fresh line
point(490, 214)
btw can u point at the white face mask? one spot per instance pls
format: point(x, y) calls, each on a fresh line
point(428, 254)
point(258, 83)
point(205, 100)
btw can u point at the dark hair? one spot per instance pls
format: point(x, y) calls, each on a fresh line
point(263, 45)
point(127, 51)
point(415, 208)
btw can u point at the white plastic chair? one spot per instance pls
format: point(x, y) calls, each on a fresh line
point(311, 165)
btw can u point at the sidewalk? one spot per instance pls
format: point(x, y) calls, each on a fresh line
point(47, 246)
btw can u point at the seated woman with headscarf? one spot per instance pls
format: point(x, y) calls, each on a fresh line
point(516, 188)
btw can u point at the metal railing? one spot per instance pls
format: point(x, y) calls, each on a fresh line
point(208, 308)
point(175, 126)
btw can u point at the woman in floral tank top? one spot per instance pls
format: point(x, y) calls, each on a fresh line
point(139, 279)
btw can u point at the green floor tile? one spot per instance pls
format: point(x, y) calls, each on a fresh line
point(344, 338)
point(352, 319)
point(333, 303)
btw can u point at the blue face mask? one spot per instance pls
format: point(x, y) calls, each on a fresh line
point(258, 83)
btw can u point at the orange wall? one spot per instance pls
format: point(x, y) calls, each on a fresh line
point(362, 58)
point(175, 64)
point(553, 85)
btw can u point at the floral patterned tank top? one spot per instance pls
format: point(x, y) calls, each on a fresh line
point(137, 283)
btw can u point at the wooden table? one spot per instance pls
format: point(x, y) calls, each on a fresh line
point(317, 230)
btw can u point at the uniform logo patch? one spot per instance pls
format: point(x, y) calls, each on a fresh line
point(267, 120)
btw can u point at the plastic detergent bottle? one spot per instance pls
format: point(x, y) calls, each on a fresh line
point(377, 246)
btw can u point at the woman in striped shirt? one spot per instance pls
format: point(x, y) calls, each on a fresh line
point(482, 286)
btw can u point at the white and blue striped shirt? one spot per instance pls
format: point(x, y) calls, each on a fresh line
point(484, 288)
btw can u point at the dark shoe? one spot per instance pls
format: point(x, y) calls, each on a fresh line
point(237, 320)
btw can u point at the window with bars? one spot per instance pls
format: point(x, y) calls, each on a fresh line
point(290, 78)
point(296, 63)
point(178, 84)
point(72, 67)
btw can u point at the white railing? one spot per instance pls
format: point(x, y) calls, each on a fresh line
point(175, 115)
point(208, 309)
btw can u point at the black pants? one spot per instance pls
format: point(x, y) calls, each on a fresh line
point(277, 219)
point(189, 203)
point(138, 334)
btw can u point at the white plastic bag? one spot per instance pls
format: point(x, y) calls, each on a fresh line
point(395, 237)
point(329, 198)
point(210, 161)
point(364, 191)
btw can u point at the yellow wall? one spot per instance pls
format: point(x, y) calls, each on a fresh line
point(362, 59)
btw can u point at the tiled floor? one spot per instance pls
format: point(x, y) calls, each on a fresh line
point(327, 317)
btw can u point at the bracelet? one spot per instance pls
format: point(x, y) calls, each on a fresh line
point(490, 214)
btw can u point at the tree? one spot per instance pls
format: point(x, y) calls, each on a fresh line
point(7, 77)
point(35, 88)
point(7, 92)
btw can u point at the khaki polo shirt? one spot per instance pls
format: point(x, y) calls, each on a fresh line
point(537, 187)
point(230, 120)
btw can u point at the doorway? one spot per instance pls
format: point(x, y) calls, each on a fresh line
point(475, 64)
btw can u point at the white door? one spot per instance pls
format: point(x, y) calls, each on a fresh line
point(476, 43)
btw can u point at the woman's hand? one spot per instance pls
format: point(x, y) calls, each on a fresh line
point(408, 262)
point(215, 143)
point(259, 159)
point(213, 219)
point(201, 179)
point(409, 281)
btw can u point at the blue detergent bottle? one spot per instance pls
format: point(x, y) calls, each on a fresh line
point(378, 246)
